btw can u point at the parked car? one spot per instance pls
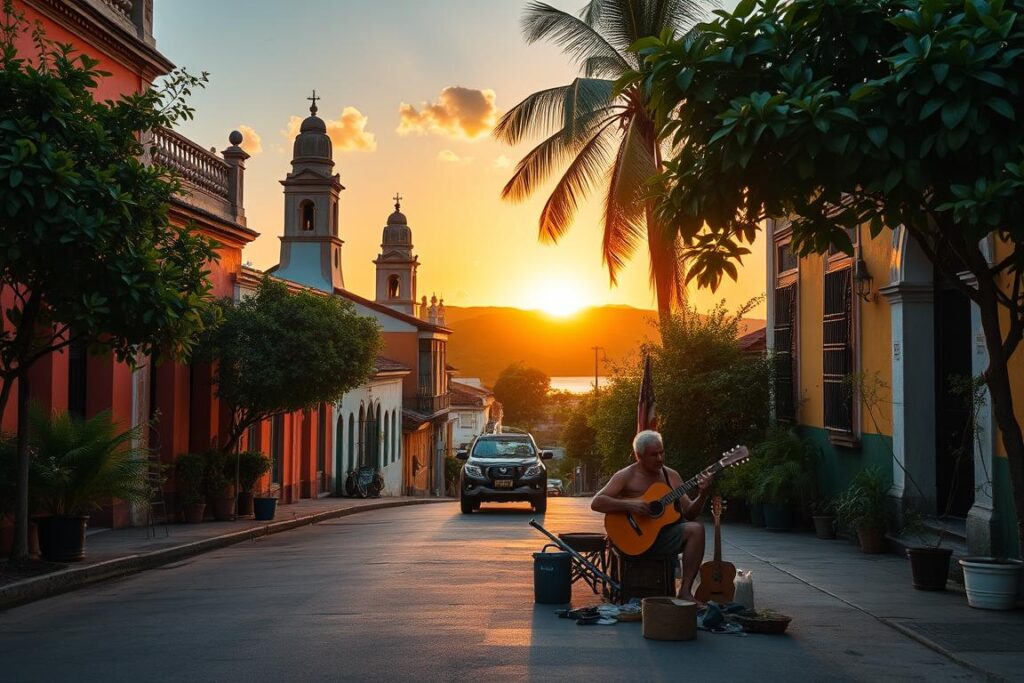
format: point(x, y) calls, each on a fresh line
point(503, 468)
point(555, 487)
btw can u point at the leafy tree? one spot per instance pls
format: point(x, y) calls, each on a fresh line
point(603, 136)
point(86, 250)
point(614, 419)
point(710, 394)
point(278, 352)
point(840, 113)
point(579, 436)
point(522, 392)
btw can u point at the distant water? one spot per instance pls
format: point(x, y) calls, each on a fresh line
point(577, 385)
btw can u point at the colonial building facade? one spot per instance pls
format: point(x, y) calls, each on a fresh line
point(873, 353)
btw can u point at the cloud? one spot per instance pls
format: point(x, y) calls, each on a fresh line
point(502, 162)
point(347, 132)
point(250, 140)
point(451, 157)
point(459, 113)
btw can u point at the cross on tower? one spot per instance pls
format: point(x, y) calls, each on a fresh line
point(398, 201)
point(313, 99)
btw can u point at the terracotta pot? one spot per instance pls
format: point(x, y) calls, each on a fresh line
point(245, 504)
point(825, 526)
point(872, 541)
point(929, 567)
point(194, 512)
point(224, 509)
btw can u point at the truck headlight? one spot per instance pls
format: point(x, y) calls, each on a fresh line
point(533, 471)
point(473, 471)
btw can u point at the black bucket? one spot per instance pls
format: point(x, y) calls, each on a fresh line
point(552, 577)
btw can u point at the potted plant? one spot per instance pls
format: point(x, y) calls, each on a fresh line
point(786, 476)
point(78, 466)
point(861, 508)
point(251, 466)
point(191, 470)
point(823, 512)
point(220, 485)
point(265, 504)
point(991, 582)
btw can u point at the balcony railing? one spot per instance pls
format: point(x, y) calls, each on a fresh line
point(196, 166)
point(428, 405)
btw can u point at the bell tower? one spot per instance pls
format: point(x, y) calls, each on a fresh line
point(396, 265)
point(310, 246)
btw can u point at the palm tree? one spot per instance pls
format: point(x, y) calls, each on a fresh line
point(600, 136)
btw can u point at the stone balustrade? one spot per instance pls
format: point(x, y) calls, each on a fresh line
point(193, 164)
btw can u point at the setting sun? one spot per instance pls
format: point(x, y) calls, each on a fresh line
point(560, 298)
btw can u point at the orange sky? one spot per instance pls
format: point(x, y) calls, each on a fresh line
point(410, 92)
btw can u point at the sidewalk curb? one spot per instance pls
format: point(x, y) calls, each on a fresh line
point(927, 642)
point(65, 580)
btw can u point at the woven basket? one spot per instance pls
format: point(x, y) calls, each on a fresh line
point(762, 622)
point(669, 619)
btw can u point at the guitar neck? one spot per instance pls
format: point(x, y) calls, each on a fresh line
point(718, 539)
point(677, 493)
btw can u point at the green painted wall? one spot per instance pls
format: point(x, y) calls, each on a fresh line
point(838, 465)
point(1006, 515)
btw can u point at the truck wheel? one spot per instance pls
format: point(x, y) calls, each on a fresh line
point(467, 506)
point(540, 506)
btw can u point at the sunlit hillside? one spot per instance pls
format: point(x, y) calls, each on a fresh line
point(487, 339)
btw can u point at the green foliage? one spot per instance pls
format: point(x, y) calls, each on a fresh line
point(522, 392)
point(191, 470)
point(786, 472)
point(251, 466)
point(710, 394)
point(86, 249)
point(219, 474)
point(278, 351)
point(862, 504)
point(452, 469)
point(578, 436)
point(601, 134)
point(614, 420)
point(81, 464)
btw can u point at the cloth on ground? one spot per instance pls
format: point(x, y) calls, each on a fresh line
point(711, 618)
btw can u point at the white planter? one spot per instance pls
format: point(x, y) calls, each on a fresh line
point(991, 583)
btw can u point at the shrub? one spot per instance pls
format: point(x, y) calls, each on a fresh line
point(191, 470)
point(251, 466)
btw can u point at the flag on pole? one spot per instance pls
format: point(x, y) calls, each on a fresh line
point(646, 418)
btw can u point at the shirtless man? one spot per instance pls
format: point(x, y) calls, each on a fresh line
point(634, 480)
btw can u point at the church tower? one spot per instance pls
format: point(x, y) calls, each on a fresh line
point(396, 265)
point(310, 247)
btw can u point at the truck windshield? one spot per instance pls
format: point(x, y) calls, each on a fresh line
point(501, 448)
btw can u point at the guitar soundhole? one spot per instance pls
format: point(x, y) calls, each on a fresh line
point(656, 508)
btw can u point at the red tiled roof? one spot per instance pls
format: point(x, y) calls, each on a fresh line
point(466, 395)
point(382, 364)
point(754, 342)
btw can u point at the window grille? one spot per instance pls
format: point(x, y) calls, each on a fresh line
point(783, 326)
point(838, 354)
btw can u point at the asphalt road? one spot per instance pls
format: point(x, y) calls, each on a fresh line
point(418, 593)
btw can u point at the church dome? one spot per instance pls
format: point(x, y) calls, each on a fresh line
point(397, 232)
point(312, 141)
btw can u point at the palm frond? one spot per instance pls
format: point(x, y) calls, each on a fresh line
point(579, 178)
point(583, 98)
point(667, 272)
point(572, 34)
point(541, 161)
point(602, 67)
point(623, 22)
point(535, 115)
point(624, 217)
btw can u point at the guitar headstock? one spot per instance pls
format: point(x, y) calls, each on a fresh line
point(716, 507)
point(734, 456)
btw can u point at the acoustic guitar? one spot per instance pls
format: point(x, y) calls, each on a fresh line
point(635, 534)
point(716, 576)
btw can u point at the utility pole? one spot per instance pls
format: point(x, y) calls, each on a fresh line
point(596, 349)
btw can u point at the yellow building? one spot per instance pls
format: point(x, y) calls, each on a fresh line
point(873, 353)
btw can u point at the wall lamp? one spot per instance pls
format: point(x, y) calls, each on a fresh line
point(862, 279)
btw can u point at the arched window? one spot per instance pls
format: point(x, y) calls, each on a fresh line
point(336, 257)
point(361, 445)
point(334, 225)
point(396, 435)
point(339, 453)
point(387, 437)
point(351, 442)
point(394, 287)
point(307, 215)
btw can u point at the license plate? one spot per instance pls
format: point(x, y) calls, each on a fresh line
point(502, 483)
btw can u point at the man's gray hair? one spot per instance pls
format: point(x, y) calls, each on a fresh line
point(645, 439)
